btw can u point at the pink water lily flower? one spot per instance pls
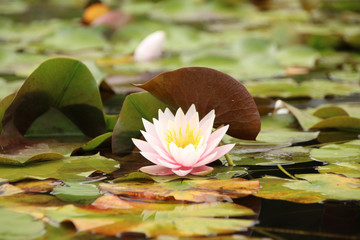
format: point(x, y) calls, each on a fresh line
point(181, 144)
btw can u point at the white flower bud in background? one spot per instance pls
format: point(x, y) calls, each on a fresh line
point(280, 108)
point(150, 48)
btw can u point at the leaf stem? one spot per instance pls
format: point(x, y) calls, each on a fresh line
point(286, 172)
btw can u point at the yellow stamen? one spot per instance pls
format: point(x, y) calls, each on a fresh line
point(183, 141)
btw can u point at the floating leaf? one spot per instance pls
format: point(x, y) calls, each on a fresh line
point(75, 39)
point(65, 84)
point(14, 225)
point(209, 89)
point(8, 189)
point(348, 169)
point(338, 153)
point(288, 88)
point(187, 190)
point(92, 144)
point(64, 168)
point(135, 107)
point(74, 191)
point(344, 123)
point(154, 219)
point(330, 111)
point(285, 155)
point(43, 186)
point(315, 188)
point(46, 150)
point(298, 56)
point(286, 136)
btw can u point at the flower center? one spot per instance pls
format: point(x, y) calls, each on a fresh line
point(182, 140)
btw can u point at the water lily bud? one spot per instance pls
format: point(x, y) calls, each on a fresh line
point(150, 48)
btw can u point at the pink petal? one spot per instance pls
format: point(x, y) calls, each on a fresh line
point(143, 146)
point(201, 171)
point(156, 159)
point(208, 159)
point(156, 170)
point(222, 150)
point(181, 172)
point(218, 153)
point(149, 127)
point(215, 139)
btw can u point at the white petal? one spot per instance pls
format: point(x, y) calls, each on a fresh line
point(150, 48)
point(169, 114)
point(190, 113)
point(210, 115)
point(184, 156)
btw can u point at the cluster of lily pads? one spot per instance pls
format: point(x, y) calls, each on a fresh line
point(67, 153)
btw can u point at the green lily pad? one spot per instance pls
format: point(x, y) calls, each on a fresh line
point(348, 169)
point(338, 153)
point(46, 150)
point(275, 156)
point(344, 123)
point(75, 191)
point(63, 168)
point(135, 107)
point(298, 56)
point(286, 136)
point(62, 83)
point(287, 88)
point(14, 225)
point(330, 111)
point(314, 188)
point(75, 38)
point(155, 219)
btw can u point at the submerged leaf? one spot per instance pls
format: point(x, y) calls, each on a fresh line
point(209, 89)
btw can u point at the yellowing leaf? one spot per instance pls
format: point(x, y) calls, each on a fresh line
point(187, 190)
